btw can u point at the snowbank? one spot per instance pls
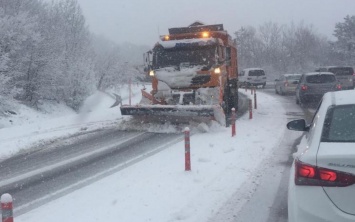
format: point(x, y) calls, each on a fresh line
point(29, 129)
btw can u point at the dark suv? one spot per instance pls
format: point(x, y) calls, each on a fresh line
point(344, 74)
point(312, 86)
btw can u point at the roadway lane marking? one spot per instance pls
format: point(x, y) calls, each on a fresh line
point(42, 170)
point(95, 177)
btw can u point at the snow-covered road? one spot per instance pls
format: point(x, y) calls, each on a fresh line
point(267, 193)
point(158, 189)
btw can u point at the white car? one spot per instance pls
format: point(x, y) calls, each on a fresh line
point(322, 179)
point(252, 77)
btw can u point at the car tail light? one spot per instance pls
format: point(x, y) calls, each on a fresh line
point(353, 74)
point(309, 175)
point(304, 87)
point(338, 87)
point(286, 83)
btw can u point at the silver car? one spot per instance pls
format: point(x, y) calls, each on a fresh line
point(345, 75)
point(287, 83)
point(312, 86)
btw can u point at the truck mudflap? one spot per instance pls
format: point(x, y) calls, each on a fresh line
point(214, 112)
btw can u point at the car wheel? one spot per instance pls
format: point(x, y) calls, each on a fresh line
point(302, 102)
point(264, 85)
point(277, 92)
point(281, 91)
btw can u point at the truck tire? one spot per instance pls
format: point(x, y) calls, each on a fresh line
point(230, 98)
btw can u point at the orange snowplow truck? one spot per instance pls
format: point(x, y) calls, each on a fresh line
point(193, 72)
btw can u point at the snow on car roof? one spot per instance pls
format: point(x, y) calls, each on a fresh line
point(292, 74)
point(199, 42)
point(328, 67)
point(343, 97)
point(318, 73)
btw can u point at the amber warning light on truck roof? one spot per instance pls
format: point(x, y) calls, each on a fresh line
point(205, 34)
point(198, 35)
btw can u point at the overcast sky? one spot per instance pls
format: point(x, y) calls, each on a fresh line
point(142, 21)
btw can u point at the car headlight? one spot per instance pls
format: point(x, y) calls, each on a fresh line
point(217, 70)
point(151, 73)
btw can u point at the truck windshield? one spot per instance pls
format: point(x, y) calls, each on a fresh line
point(205, 56)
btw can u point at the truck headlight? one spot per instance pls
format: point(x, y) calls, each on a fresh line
point(151, 73)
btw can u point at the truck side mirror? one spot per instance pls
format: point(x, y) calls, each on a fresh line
point(147, 61)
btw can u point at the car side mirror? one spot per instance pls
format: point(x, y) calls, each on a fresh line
point(298, 125)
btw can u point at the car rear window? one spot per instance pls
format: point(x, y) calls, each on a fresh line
point(295, 77)
point(339, 125)
point(342, 71)
point(321, 78)
point(256, 73)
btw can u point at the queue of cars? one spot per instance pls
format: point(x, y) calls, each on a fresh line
point(322, 178)
point(310, 87)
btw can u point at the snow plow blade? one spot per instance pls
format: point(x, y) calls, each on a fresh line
point(205, 111)
point(166, 110)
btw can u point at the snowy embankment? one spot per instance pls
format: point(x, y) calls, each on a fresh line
point(158, 188)
point(28, 128)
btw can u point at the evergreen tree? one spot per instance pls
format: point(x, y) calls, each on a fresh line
point(345, 44)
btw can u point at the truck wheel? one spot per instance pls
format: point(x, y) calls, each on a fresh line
point(230, 98)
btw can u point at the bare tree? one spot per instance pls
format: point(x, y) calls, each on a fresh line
point(281, 48)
